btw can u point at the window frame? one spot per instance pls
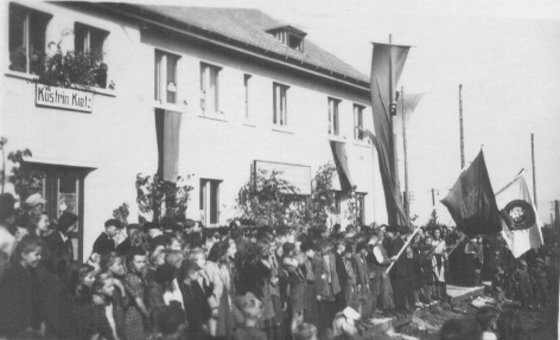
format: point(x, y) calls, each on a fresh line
point(247, 88)
point(280, 118)
point(334, 116)
point(358, 112)
point(87, 39)
point(31, 18)
point(210, 206)
point(162, 90)
point(206, 76)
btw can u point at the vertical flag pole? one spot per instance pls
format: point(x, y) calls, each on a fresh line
point(534, 174)
point(405, 155)
point(393, 114)
point(461, 133)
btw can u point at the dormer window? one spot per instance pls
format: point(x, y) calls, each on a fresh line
point(289, 36)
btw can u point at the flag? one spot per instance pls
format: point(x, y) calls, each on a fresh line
point(387, 63)
point(410, 103)
point(471, 201)
point(521, 226)
point(341, 161)
point(168, 125)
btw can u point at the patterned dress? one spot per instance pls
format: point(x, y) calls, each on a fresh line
point(134, 327)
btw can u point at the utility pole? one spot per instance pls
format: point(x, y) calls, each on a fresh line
point(461, 133)
point(534, 174)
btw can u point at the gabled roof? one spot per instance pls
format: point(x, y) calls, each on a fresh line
point(249, 27)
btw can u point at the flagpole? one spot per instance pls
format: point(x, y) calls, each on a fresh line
point(393, 118)
point(533, 164)
point(461, 133)
point(405, 155)
point(403, 248)
point(521, 173)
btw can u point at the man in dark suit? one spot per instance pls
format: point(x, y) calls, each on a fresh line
point(402, 272)
point(58, 242)
point(105, 243)
point(340, 298)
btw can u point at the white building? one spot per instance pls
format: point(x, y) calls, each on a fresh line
point(250, 91)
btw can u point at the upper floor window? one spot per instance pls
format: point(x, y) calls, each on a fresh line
point(89, 39)
point(290, 36)
point(166, 77)
point(209, 88)
point(333, 117)
point(246, 83)
point(280, 104)
point(209, 196)
point(27, 38)
point(358, 122)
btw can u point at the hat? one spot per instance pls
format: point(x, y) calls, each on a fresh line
point(540, 260)
point(34, 200)
point(189, 223)
point(7, 202)
point(66, 220)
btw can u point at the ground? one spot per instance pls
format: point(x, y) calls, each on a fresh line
point(541, 324)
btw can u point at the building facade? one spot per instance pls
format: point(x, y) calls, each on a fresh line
point(246, 92)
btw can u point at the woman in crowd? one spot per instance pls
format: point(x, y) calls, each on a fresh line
point(137, 314)
point(217, 268)
point(21, 298)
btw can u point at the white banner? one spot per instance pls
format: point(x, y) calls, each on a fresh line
point(63, 98)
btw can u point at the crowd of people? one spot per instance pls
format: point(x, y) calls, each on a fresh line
point(176, 279)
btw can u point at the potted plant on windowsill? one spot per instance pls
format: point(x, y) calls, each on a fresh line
point(81, 70)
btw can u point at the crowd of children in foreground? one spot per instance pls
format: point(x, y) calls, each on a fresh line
point(178, 280)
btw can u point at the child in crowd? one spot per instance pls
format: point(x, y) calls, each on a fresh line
point(294, 285)
point(252, 313)
point(20, 292)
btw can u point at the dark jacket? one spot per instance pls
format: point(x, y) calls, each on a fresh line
point(16, 300)
point(103, 244)
point(341, 270)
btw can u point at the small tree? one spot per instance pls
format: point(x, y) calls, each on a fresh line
point(322, 200)
point(25, 182)
point(352, 209)
point(122, 213)
point(157, 198)
point(271, 200)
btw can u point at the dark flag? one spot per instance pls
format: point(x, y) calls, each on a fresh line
point(471, 201)
point(168, 126)
point(387, 63)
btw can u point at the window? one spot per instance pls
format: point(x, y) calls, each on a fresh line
point(89, 39)
point(166, 77)
point(63, 189)
point(209, 201)
point(209, 88)
point(280, 114)
point(27, 39)
point(360, 204)
point(358, 122)
point(333, 116)
point(246, 81)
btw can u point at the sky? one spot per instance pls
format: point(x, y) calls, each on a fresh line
point(506, 54)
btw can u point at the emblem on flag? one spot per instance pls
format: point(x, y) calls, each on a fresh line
point(518, 215)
